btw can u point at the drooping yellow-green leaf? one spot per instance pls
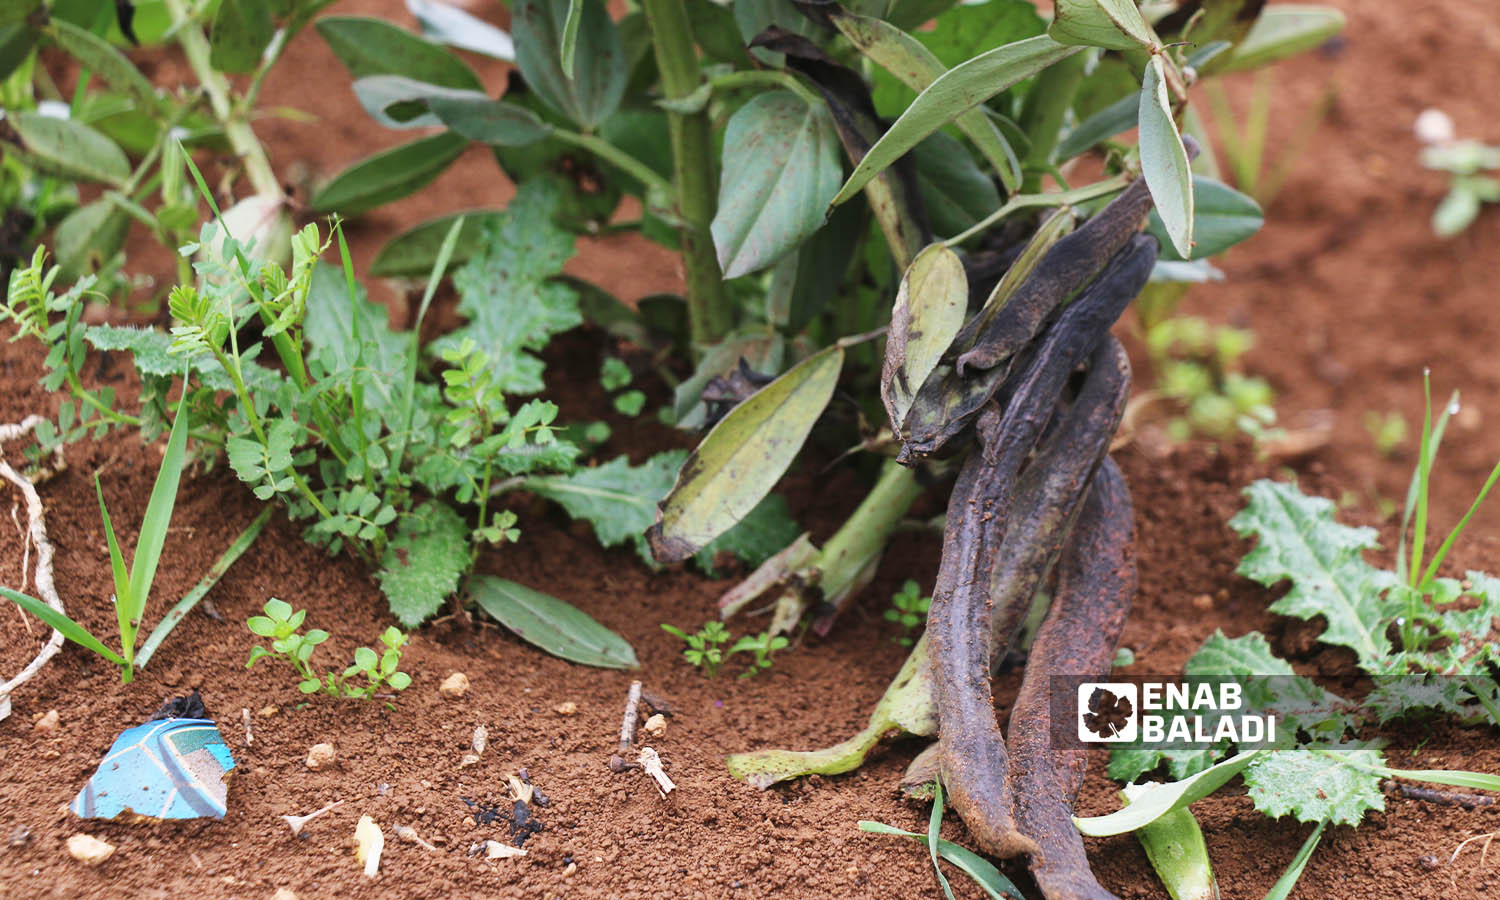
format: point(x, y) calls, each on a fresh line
point(1114, 24)
point(1164, 160)
point(952, 94)
point(69, 148)
point(743, 457)
point(929, 311)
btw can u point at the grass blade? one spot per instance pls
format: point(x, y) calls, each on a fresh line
point(153, 536)
point(116, 564)
point(1288, 880)
point(189, 600)
point(69, 628)
point(934, 826)
point(1442, 551)
point(975, 866)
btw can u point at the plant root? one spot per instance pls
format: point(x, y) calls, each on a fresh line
point(1075, 644)
point(37, 533)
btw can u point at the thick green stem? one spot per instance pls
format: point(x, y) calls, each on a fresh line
point(237, 131)
point(693, 170)
point(1043, 116)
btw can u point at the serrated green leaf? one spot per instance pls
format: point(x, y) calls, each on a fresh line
point(507, 293)
point(557, 627)
point(759, 536)
point(332, 320)
point(150, 351)
point(423, 563)
point(368, 46)
point(618, 499)
point(781, 166)
point(1299, 540)
point(1314, 786)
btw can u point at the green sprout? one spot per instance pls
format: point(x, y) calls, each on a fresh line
point(703, 648)
point(1387, 429)
point(281, 624)
point(762, 645)
point(909, 609)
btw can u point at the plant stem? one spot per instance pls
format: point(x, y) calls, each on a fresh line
point(1026, 201)
point(693, 170)
point(237, 130)
point(765, 77)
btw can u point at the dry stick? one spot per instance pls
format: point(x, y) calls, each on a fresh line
point(1433, 795)
point(617, 762)
point(43, 576)
point(1075, 644)
point(1048, 494)
point(974, 764)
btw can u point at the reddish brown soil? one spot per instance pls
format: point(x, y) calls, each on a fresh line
point(1348, 293)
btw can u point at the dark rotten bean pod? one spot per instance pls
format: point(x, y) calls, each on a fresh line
point(1068, 266)
point(1047, 497)
point(1065, 344)
point(1076, 643)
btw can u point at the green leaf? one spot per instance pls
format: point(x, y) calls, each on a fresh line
point(781, 165)
point(154, 524)
point(17, 40)
point(618, 499)
point(1174, 844)
point(69, 628)
point(1299, 540)
point(1156, 799)
point(150, 351)
point(507, 291)
point(1314, 786)
point(241, 32)
point(369, 46)
point(413, 253)
point(759, 536)
point(984, 873)
point(1114, 119)
point(493, 122)
point(743, 457)
point(1222, 217)
point(1114, 24)
point(88, 237)
point(1284, 29)
point(956, 193)
point(569, 47)
point(104, 60)
point(1164, 160)
point(557, 627)
point(68, 148)
point(930, 308)
point(1282, 889)
point(446, 23)
point(955, 92)
point(917, 61)
point(389, 175)
point(591, 93)
point(423, 563)
point(332, 320)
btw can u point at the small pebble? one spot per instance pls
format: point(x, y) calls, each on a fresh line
point(572, 867)
point(284, 894)
point(89, 850)
point(566, 709)
point(656, 726)
point(1428, 862)
point(1203, 602)
point(47, 723)
point(321, 756)
point(455, 686)
point(267, 712)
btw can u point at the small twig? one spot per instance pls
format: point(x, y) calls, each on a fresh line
point(617, 762)
point(245, 720)
point(1433, 795)
point(650, 760)
point(43, 577)
point(1483, 851)
point(409, 834)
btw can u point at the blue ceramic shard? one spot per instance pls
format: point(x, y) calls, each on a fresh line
point(164, 769)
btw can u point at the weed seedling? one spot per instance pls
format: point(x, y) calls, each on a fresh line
point(282, 625)
point(762, 645)
point(703, 647)
point(909, 609)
